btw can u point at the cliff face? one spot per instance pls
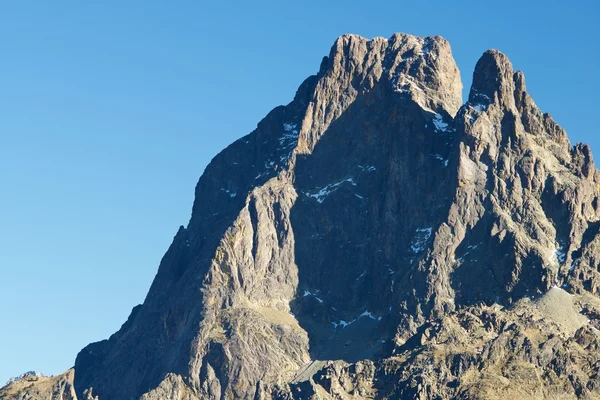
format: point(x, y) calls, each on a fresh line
point(375, 238)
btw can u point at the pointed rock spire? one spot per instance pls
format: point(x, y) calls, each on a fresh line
point(493, 80)
point(420, 69)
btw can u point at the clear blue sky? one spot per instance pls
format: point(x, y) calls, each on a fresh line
point(110, 112)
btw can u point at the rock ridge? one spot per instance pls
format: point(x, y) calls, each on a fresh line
point(377, 238)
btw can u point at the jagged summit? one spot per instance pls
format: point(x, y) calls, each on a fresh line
point(377, 238)
point(420, 68)
point(493, 77)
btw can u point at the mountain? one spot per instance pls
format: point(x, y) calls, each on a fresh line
point(377, 238)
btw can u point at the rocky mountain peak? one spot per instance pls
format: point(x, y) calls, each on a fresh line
point(493, 80)
point(375, 238)
point(422, 69)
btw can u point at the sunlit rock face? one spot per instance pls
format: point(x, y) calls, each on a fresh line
point(377, 238)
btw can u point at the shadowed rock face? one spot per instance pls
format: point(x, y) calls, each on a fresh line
point(376, 238)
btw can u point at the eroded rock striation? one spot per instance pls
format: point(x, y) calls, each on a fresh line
point(377, 238)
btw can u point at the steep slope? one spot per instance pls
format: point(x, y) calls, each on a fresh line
point(427, 249)
point(220, 310)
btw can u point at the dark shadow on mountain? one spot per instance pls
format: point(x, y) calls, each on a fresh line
point(377, 175)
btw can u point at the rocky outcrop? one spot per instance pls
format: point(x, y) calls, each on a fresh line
point(35, 386)
point(479, 353)
point(375, 238)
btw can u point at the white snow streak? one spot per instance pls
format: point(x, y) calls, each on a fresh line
point(439, 123)
point(324, 192)
point(422, 235)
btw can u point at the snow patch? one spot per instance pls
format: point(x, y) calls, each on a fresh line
point(369, 168)
point(324, 192)
point(402, 83)
point(479, 107)
point(261, 175)
point(469, 250)
point(341, 323)
point(309, 293)
point(368, 314)
point(426, 47)
point(422, 235)
point(231, 194)
point(344, 324)
point(439, 123)
point(573, 264)
point(559, 254)
point(288, 140)
point(442, 159)
point(480, 101)
point(290, 127)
